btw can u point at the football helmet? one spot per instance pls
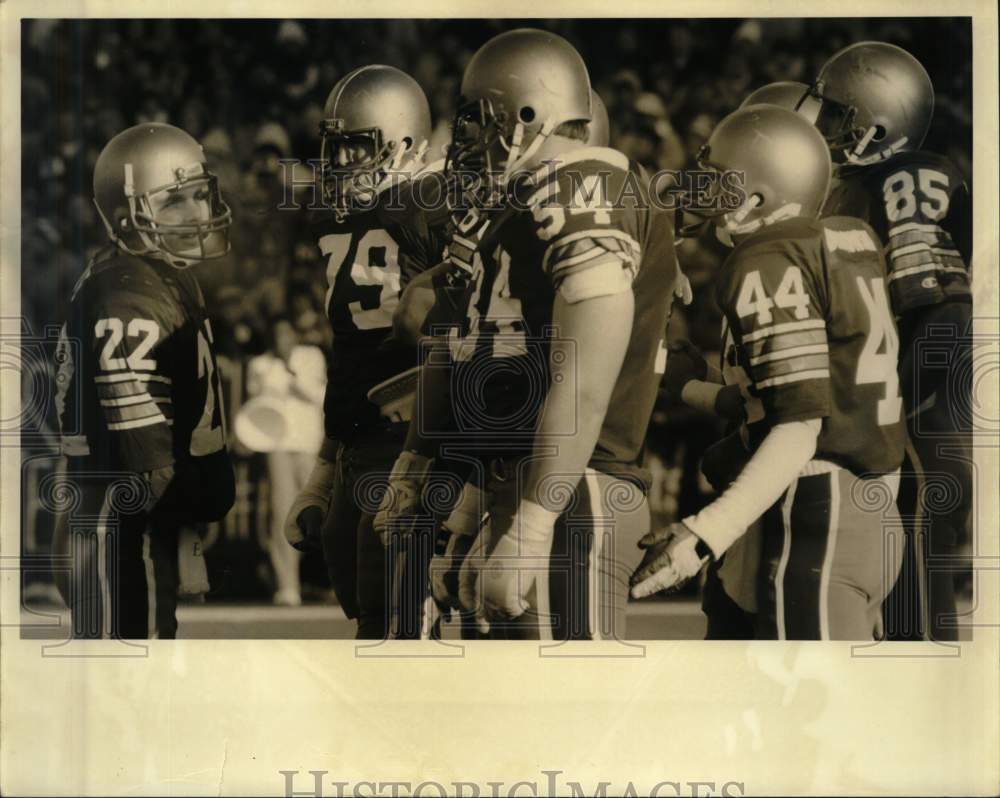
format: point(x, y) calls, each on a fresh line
point(135, 172)
point(376, 125)
point(877, 100)
point(517, 89)
point(599, 131)
point(788, 94)
point(783, 163)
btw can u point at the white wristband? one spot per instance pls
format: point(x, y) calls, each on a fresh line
point(536, 523)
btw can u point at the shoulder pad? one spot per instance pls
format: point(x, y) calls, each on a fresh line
point(433, 167)
point(786, 230)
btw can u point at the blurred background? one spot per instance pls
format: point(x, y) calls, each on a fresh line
point(252, 92)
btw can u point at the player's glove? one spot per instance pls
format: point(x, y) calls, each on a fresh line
point(724, 460)
point(673, 556)
point(455, 539)
point(684, 363)
point(305, 517)
point(521, 552)
point(470, 597)
point(402, 494)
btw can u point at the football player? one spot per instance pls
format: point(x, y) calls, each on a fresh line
point(876, 106)
point(556, 364)
point(807, 306)
point(139, 398)
point(375, 239)
point(729, 591)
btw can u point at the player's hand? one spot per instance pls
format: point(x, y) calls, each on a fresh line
point(511, 569)
point(682, 289)
point(305, 517)
point(684, 363)
point(724, 460)
point(470, 598)
point(458, 533)
point(402, 495)
point(445, 566)
point(669, 562)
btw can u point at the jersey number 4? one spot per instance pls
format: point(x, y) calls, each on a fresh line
point(880, 355)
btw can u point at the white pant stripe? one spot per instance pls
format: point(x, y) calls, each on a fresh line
point(147, 561)
point(828, 558)
point(919, 542)
point(594, 565)
point(786, 550)
point(102, 570)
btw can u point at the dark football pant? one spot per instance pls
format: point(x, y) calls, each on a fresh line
point(357, 562)
point(726, 619)
point(936, 493)
point(121, 578)
point(833, 546)
point(935, 503)
point(413, 613)
point(584, 593)
point(729, 595)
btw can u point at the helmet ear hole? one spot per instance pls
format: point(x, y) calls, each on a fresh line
point(879, 133)
point(526, 114)
point(408, 142)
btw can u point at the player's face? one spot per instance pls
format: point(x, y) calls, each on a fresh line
point(188, 205)
point(351, 151)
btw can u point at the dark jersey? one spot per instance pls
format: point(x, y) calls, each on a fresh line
point(370, 257)
point(919, 206)
point(137, 382)
point(594, 205)
point(807, 306)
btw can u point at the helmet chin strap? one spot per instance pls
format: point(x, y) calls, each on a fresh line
point(395, 164)
point(515, 158)
point(734, 222)
point(855, 158)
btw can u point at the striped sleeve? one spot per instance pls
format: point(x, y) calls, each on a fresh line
point(582, 219)
point(776, 311)
point(925, 266)
point(586, 249)
point(131, 400)
point(788, 352)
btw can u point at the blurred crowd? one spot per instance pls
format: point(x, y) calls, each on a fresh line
point(253, 91)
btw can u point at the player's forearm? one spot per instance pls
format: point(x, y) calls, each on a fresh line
point(721, 400)
point(585, 361)
point(773, 467)
point(557, 454)
point(198, 490)
point(432, 411)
